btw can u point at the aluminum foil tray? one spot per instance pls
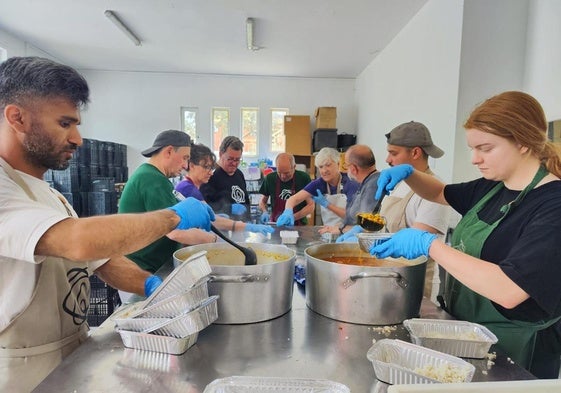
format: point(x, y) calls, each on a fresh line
point(177, 304)
point(138, 324)
point(155, 343)
point(189, 323)
point(274, 384)
point(183, 277)
point(458, 338)
point(399, 362)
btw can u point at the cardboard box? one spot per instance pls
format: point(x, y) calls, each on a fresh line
point(326, 117)
point(298, 136)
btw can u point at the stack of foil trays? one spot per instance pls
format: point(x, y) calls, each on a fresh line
point(170, 320)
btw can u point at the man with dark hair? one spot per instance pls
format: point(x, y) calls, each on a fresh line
point(149, 189)
point(46, 252)
point(226, 190)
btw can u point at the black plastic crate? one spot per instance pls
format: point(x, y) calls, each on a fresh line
point(67, 180)
point(75, 200)
point(103, 184)
point(103, 301)
point(103, 202)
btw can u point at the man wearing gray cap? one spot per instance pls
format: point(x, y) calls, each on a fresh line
point(411, 143)
point(149, 189)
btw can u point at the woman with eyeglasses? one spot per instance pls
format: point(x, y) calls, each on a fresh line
point(201, 166)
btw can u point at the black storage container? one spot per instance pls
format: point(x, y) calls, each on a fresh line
point(324, 137)
point(344, 141)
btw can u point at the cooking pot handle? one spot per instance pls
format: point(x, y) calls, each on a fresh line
point(239, 278)
point(401, 281)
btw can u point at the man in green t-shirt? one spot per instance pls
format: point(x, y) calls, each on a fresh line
point(280, 186)
point(149, 188)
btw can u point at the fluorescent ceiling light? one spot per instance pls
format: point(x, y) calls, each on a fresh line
point(249, 31)
point(124, 28)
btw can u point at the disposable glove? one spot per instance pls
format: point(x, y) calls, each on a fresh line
point(150, 285)
point(390, 177)
point(410, 243)
point(193, 214)
point(238, 209)
point(350, 235)
point(265, 218)
point(286, 218)
point(321, 199)
point(259, 228)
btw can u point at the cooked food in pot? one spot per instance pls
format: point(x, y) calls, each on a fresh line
point(364, 261)
point(228, 257)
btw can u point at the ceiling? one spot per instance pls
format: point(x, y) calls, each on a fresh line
point(298, 38)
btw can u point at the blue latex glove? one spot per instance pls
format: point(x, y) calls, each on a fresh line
point(238, 209)
point(265, 218)
point(193, 214)
point(390, 177)
point(321, 199)
point(150, 285)
point(259, 228)
point(350, 235)
point(286, 218)
point(410, 243)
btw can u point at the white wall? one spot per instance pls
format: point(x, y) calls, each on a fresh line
point(492, 61)
point(16, 47)
point(131, 108)
point(415, 78)
point(543, 58)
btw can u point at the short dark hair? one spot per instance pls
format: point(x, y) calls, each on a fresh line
point(232, 142)
point(200, 152)
point(25, 78)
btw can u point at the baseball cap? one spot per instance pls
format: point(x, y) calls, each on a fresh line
point(168, 138)
point(414, 134)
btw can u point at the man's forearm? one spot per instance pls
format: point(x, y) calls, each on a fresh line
point(84, 239)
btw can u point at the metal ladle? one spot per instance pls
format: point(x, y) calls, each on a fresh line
point(249, 254)
point(372, 222)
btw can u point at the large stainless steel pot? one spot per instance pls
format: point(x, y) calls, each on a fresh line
point(247, 293)
point(362, 294)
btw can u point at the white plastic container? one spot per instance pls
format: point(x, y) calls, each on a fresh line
point(289, 237)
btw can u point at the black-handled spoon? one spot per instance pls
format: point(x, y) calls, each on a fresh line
point(249, 254)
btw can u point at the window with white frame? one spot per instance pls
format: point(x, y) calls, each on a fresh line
point(250, 130)
point(189, 122)
point(220, 126)
point(277, 129)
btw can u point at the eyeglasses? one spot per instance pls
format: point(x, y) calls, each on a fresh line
point(233, 160)
point(207, 168)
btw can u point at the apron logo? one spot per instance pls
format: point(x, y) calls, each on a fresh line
point(237, 194)
point(77, 301)
point(285, 194)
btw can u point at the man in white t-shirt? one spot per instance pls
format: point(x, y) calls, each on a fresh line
point(411, 143)
point(46, 252)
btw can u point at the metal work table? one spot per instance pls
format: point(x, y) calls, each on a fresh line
point(299, 344)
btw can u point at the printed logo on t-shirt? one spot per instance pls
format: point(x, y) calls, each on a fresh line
point(285, 194)
point(237, 194)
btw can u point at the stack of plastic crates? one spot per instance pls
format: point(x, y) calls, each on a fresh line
point(103, 301)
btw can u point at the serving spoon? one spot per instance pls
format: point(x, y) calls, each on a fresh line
point(249, 254)
point(372, 222)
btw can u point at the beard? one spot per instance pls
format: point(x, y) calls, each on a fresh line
point(41, 150)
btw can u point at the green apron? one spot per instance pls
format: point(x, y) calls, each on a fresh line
point(516, 338)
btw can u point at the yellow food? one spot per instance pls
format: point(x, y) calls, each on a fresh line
point(446, 373)
point(378, 219)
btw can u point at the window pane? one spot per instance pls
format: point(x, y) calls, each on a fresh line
point(220, 126)
point(189, 120)
point(250, 130)
point(277, 129)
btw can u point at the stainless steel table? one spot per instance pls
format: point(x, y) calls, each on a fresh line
point(299, 344)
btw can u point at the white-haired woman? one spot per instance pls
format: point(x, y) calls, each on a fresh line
point(331, 191)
